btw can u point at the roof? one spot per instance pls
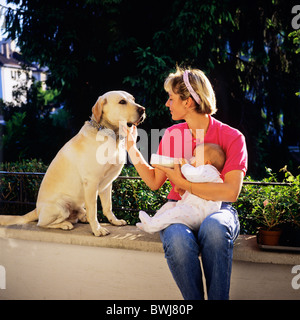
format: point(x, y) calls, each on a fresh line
point(16, 61)
point(12, 61)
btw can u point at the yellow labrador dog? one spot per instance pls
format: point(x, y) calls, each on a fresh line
point(86, 167)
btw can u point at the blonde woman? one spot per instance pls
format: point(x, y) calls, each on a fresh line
point(192, 99)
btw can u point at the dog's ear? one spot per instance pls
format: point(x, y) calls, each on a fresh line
point(98, 108)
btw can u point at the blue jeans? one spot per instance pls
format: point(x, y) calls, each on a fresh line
point(214, 241)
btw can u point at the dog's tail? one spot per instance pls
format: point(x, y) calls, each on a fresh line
point(11, 220)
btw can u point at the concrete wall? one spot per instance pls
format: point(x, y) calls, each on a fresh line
point(127, 264)
point(42, 270)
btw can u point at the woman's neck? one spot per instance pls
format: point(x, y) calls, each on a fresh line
point(197, 121)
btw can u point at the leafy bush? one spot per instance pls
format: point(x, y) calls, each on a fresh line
point(134, 194)
point(128, 196)
point(25, 187)
point(270, 206)
point(255, 204)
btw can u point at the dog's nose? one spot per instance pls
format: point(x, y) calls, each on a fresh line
point(141, 110)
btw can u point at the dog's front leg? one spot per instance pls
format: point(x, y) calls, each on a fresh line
point(105, 197)
point(90, 195)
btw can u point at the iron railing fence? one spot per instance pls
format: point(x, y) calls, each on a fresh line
point(20, 189)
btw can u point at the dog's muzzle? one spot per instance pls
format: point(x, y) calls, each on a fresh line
point(142, 114)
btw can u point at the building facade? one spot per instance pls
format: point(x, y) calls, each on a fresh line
point(15, 74)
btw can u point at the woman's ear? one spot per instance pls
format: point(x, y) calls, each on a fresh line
point(98, 108)
point(188, 102)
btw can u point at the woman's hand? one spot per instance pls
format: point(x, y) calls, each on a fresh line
point(174, 175)
point(131, 136)
point(178, 190)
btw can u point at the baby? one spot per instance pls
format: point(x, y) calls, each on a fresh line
point(205, 166)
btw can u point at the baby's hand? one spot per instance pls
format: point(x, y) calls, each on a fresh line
point(183, 161)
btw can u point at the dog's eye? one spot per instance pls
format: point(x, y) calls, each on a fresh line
point(122, 102)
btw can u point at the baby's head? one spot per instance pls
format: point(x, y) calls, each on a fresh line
point(209, 153)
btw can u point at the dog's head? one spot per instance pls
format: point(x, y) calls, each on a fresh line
point(116, 107)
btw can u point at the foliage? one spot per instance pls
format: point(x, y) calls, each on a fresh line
point(293, 196)
point(152, 72)
point(134, 194)
point(92, 46)
point(24, 165)
point(270, 206)
point(23, 135)
point(257, 205)
point(25, 186)
point(12, 141)
point(295, 35)
point(127, 194)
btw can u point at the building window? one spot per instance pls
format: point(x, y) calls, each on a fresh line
point(15, 74)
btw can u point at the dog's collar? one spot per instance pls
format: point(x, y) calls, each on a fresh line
point(105, 130)
point(96, 125)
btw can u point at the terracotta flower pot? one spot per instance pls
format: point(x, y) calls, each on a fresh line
point(269, 237)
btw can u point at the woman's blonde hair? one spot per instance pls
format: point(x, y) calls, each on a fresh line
point(199, 83)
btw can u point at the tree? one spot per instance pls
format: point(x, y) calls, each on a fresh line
point(87, 45)
point(92, 46)
point(31, 130)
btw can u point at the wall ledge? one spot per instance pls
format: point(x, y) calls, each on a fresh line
point(126, 237)
point(131, 238)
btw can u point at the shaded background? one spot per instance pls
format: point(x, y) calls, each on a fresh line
point(248, 49)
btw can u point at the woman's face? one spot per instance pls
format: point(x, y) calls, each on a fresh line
point(177, 106)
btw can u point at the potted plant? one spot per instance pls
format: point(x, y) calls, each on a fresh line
point(291, 229)
point(269, 214)
point(275, 205)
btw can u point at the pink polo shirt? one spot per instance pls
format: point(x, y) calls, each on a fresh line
point(178, 142)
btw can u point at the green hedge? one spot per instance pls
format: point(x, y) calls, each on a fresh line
point(129, 195)
point(132, 194)
point(12, 186)
point(135, 195)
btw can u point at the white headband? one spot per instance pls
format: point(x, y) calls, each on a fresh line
point(190, 88)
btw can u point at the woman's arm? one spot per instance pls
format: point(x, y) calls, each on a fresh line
point(153, 177)
point(227, 191)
